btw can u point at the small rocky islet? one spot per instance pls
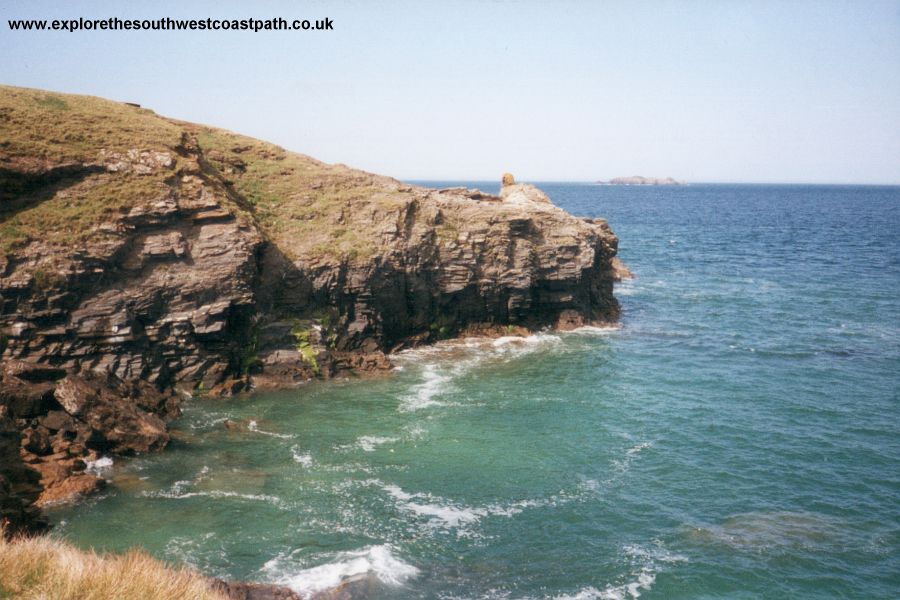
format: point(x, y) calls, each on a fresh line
point(145, 260)
point(641, 180)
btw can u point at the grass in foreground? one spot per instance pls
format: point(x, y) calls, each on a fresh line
point(49, 569)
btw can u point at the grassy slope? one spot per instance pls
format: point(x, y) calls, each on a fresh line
point(40, 130)
point(43, 567)
point(305, 206)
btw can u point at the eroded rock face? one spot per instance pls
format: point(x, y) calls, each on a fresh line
point(60, 426)
point(185, 288)
point(237, 266)
point(452, 259)
point(19, 488)
point(119, 421)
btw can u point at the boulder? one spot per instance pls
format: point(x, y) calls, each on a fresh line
point(69, 488)
point(57, 420)
point(25, 399)
point(36, 440)
point(121, 425)
point(239, 590)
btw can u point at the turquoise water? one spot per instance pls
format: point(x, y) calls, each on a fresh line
point(737, 437)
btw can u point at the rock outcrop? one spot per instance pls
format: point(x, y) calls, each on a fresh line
point(152, 255)
point(63, 423)
point(239, 590)
point(19, 487)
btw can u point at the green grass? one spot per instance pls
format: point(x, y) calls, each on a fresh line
point(249, 354)
point(302, 336)
point(67, 128)
point(40, 130)
point(71, 215)
point(298, 201)
point(309, 209)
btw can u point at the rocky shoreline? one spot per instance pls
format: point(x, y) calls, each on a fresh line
point(193, 261)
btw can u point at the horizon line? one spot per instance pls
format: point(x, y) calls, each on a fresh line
point(682, 184)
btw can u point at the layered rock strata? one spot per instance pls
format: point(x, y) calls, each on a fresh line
point(160, 259)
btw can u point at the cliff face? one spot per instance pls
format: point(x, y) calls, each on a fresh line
point(188, 257)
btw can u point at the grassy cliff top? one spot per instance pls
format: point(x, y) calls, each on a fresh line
point(60, 128)
point(60, 183)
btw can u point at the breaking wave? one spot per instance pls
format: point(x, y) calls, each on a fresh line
point(302, 458)
point(99, 466)
point(377, 561)
point(446, 361)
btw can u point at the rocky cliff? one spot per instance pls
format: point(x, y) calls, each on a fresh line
point(141, 255)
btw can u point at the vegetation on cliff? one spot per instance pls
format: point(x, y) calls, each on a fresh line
point(35, 568)
point(51, 186)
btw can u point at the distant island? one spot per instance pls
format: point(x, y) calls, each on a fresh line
point(640, 180)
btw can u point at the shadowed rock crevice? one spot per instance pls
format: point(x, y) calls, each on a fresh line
point(21, 189)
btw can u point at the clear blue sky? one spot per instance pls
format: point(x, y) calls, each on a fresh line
point(703, 91)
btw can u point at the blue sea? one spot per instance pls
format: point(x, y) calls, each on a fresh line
point(737, 436)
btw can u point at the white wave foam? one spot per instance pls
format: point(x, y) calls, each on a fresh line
point(644, 581)
point(97, 467)
point(637, 448)
point(518, 340)
point(210, 420)
point(621, 465)
point(303, 458)
point(653, 554)
point(378, 561)
point(445, 361)
point(254, 427)
point(594, 330)
point(414, 431)
point(467, 352)
point(423, 395)
point(440, 512)
point(510, 347)
point(368, 443)
point(625, 288)
point(444, 514)
point(645, 564)
point(185, 549)
point(217, 494)
point(177, 492)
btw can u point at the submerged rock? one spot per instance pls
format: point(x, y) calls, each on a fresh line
point(239, 590)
